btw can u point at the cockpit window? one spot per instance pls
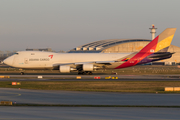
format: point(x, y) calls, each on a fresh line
point(16, 53)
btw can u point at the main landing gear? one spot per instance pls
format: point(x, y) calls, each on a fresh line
point(22, 73)
point(84, 73)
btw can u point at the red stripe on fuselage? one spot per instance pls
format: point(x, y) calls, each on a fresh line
point(147, 50)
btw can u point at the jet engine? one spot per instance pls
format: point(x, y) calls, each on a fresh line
point(65, 69)
point(89, 67)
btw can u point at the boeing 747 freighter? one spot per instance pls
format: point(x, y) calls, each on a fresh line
point(86, 63)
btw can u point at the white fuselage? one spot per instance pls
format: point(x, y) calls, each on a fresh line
point(37, 59)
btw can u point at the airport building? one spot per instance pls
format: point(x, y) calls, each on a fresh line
point(126, 45)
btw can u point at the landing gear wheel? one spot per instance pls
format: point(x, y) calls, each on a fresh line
point(85, 73)
point(88, 73)
point(80, 72)
point(22, 73)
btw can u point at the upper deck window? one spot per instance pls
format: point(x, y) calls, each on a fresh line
point(16, 53)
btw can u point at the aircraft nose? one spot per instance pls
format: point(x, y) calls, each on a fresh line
point(9, 60)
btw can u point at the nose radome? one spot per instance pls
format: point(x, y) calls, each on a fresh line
point(9, 60)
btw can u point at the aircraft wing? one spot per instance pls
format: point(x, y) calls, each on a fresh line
point(81, 63)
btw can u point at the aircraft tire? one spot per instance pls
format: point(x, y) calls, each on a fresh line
point(84, 73)
point(22, 73)
point(80, 72)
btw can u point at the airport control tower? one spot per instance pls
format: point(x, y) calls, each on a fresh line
point(153, 31)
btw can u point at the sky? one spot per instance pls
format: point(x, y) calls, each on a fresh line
point(66, 24)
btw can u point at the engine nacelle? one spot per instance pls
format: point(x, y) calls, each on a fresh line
point(65, 69)
point(88, 67)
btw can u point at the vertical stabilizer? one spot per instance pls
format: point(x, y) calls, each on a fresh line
point(160, 44)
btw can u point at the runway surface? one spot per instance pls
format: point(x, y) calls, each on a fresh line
point(25, 96)
point(21, 96)
point(88, 113)
point(87, 98)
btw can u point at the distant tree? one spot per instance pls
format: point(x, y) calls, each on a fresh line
point(61, 51)
point(8, 53)
point(1, 53)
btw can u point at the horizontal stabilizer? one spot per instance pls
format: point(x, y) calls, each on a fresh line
point(160, 55)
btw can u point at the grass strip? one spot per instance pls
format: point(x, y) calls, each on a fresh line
point(96, 86)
